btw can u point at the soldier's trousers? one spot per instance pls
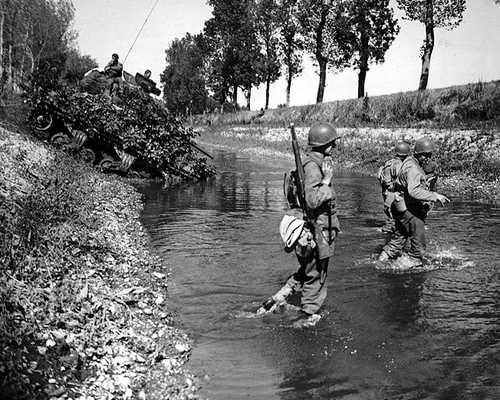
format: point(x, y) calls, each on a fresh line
point(410, 228)
point(311, 280)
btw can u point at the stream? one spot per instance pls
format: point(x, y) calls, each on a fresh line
point(433, 335)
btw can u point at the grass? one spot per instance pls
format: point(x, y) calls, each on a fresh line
point(471, 105)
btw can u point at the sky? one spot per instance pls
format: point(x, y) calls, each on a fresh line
point(468, 53)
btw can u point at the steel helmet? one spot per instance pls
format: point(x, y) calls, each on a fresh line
point(424, 145)
point(322, 134)
point(402, 149)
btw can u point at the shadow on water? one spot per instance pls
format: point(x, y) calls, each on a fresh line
point(432, 335)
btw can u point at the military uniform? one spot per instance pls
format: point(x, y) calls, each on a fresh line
point(410, 223)
point(114, 72)
point(320, 199)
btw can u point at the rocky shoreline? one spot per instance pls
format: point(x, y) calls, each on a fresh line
point(84, 311)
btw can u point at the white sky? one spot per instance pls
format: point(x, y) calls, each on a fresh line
point(469, 53)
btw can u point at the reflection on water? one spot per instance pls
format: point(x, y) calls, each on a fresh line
point(434, 335)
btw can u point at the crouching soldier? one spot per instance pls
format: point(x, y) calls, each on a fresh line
point(387, 176)
point(322, 223)
point(411, 206)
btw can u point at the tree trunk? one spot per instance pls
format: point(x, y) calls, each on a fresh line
point(363, 65)
point(23, 58)
point(2, 21)
point(428, 45)
point(361, 82)
point(288, 87)
point(248, 96)
point(268, 85)
point(235, 96)
point(31, 59)
point(322, 61)
point(9, 68)
point(322, 80)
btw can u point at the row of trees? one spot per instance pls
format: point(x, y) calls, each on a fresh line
point(36, 35)
point(251, 42)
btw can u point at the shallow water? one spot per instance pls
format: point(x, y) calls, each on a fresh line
point(433, 335)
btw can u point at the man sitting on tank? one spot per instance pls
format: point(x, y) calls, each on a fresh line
point(146, 83)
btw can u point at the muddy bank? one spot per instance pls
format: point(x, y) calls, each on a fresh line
point(469, 160)
point(84, 310)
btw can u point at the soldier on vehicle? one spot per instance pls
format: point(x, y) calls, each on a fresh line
point(147, 74)
point(387, 176)
point(320, 199)
point(411, 206)
point(114, 71)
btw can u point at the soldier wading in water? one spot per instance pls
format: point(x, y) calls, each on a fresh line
point(412, 202)
point(314, 239)
point(387, 175)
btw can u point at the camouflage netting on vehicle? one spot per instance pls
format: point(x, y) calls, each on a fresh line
point(137, 125)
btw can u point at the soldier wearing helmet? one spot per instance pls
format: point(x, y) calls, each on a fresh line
point(320, 198)
point(387, 175)
point(410, 207)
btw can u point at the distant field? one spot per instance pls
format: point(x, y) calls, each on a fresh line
point(467, 106)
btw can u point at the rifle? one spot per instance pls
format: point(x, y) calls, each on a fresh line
point(300, 174)
point(321, 243)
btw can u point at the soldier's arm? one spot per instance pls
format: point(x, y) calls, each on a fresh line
point(416, 189)
point(317, 192)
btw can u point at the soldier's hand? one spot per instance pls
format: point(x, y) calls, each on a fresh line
point(327, 173)
point(442, 199)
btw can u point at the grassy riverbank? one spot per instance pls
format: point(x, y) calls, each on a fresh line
point(83, 303)
point(473, 106)
point(469, 160)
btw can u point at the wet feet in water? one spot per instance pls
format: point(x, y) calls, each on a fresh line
point(306, 320)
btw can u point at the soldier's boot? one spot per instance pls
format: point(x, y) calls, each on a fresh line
point(277, 300)
point(406, 262)
point(306, 320)
point(383, 256)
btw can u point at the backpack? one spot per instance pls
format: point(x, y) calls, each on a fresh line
point(290, 189)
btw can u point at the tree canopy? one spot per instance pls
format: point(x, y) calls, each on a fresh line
point(433, 14)
point(184, 82)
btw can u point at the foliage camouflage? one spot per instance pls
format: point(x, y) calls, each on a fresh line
point(139, 126)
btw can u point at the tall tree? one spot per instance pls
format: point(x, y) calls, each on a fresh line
point(319, 25)
point(368, 31)
point(34, 32)
point(290, 41)
point(234, 53)
point(184, 83)
point(267, 25)
point(433, 14)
